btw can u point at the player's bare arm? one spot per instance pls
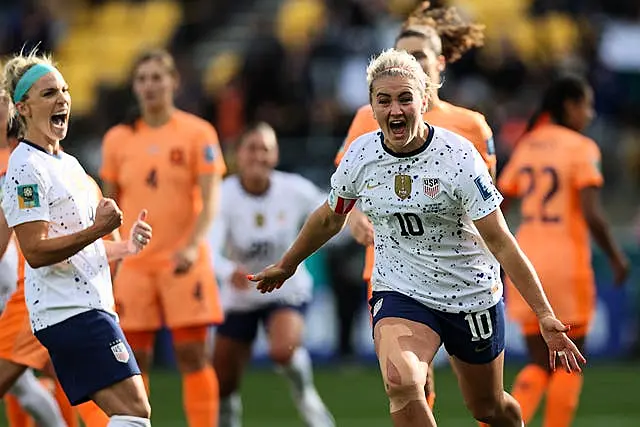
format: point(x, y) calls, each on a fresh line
point(209, 186)
point(495, 233)
point(39, 250)
point(139, 237)
point(110, 190)
point(592, 210)
point(322, 225)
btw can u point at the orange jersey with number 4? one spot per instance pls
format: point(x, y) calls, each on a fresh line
point(158, 169)
point(547, 170)
point(467, 123)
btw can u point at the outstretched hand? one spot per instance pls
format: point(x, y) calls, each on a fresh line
point(560, 346)
point(272, 277)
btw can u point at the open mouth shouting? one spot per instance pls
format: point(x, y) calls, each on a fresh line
point(398, 128)
point(59, 120)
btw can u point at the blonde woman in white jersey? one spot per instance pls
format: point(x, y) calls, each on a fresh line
point(52, 209)
point(437, 222)
point(261, 213)
point(32, 396)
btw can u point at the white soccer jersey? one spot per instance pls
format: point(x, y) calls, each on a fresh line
point(55, 189)
point(8, 266)
point(422, 206)
point(255, 231)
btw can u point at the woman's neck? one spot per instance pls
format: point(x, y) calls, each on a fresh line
point(256, 186)
point(415, 143)
point(157, 118)
point(51, 146)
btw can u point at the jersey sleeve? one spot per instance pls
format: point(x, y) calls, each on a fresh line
point(208, 158)
point(343, 195)
point(586, 170)
point(476, 190)
point(216, 238)
point(363, 122)
point(25, 196)
point(309, 195)
point(109, 167)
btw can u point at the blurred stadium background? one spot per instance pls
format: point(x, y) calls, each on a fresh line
point(299, 64)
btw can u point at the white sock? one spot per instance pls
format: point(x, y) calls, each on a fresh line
point(128, 421)
point(230, 411)
point(299, 372)
point(37, 401)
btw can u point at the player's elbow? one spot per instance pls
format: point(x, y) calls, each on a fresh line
point(330, 220)
point(595, 221)
point(34, 258)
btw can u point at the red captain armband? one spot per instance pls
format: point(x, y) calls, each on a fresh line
point(343, 206)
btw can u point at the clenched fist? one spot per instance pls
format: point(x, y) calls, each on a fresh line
point(108, 217)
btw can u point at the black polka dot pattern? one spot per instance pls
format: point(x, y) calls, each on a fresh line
point(422, 208)
point(60, 193)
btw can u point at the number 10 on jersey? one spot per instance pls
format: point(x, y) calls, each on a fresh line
point(479, 325)
point(410, 224)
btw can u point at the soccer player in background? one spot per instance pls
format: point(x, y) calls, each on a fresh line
point(434, 37)
point(170, 162)
point(59, 224)
point(440, 235)
point(555, 170)
point(261, 211)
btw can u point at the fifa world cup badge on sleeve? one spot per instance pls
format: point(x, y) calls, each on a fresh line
point(28, 196)
point(209, 153)
point(483, 188)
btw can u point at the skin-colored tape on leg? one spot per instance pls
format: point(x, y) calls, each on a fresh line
point(402, 370)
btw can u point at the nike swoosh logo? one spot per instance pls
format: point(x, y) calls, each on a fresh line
point(480, 348)
point(371, 187)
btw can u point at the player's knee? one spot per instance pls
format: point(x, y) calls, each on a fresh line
point(490, 408)
point(484, 410)
point(190, 357)
point(400, 395)
point(404, 383)
point(281, 354)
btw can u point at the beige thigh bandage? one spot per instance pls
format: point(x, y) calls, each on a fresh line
point(403, 373)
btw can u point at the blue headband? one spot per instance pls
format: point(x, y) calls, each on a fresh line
point(29, 78)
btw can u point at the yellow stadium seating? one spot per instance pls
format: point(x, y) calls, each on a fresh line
point(102, 42)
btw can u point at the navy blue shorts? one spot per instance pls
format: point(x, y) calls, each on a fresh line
point(476, 338)
point(243, 325)
point(89, 353)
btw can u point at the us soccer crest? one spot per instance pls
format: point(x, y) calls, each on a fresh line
point(403, 186)
point(120, 352)
point(431, 187)
point(259, 220)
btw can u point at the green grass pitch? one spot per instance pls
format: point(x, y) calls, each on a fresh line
point(356, 398)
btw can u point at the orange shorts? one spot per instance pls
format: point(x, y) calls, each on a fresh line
point(533, 328)
point(17, 342)
point(148, 299)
